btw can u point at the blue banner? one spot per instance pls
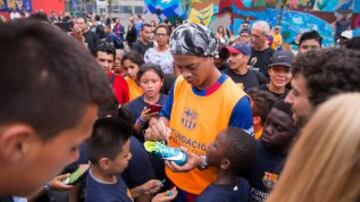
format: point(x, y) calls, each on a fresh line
point(73, 4)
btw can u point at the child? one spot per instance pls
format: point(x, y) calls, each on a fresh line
point(232, 152)
point(109, 152)
point(272, 149)
point(261, 104)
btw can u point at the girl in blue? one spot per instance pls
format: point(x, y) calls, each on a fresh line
point(150, 79)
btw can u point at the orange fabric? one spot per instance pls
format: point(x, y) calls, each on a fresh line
point(196, 121)
point(134, 90)
point(258, 134)
point(277, 41)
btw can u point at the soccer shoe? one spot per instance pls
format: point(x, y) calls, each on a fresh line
point(160, 150)
point(77, 176)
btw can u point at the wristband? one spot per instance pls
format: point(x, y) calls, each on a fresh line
point(140, 121)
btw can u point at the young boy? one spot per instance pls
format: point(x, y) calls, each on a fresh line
point(272, 149)
point(109, 152)
point(232, 153)
point(261, 104)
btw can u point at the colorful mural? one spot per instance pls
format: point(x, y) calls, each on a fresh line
point(296, 15)
point(6, 5)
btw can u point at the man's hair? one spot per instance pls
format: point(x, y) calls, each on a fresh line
point(284, 107)
point(134, 56)
point(310, 35)
point(149, 67)
point(163, 26)
point(145, 25)
point(106, 47)
point(97, 17)
point(328, 72)
point(240, 149)
point(82, 17)
point(262, 102)
point(263, 26)
point(40, 15)
point(51, 79)
point(107, 139)
point(353, 43)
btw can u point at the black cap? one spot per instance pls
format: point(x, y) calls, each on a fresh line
point(245, 31)
point(282, 58)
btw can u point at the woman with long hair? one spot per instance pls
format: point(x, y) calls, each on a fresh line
point(150, 79)
point(324, 164)
point(222, 35)
point(131, 63)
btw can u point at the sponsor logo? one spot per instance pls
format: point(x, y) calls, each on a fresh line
point(189, 118)
point(270, 179)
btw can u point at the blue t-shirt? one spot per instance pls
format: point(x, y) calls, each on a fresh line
point(96, 191)
point(136, 106)
point(226, 193)
point(139, 169)
point(265, 172)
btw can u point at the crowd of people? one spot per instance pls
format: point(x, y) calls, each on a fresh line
point(258, 120)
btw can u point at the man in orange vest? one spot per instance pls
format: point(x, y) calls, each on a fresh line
point(202, 103)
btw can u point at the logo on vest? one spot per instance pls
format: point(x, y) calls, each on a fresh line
point(270, 179)
point(188, 119)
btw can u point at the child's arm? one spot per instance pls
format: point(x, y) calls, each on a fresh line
point(165, 196)
point(193, 161)
point(55, 184)
point(150, 187)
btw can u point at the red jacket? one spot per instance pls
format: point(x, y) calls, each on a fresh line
point(120, 88)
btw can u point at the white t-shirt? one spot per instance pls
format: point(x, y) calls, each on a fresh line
point(164, 59)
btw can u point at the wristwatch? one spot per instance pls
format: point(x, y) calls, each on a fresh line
point(46, 187)
point(204, 164)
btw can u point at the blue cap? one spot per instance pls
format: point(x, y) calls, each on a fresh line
point(242, 48)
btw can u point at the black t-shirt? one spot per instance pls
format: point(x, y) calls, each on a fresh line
point(249, 80)
point(265, 172)
point(140, 47)
point(226, 193)
point(280, 96)
point(260, 60)
point(91, 39)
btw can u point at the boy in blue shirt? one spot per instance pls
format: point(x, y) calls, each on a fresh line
point(232, 152)
point(109, 152)
point(272, 148)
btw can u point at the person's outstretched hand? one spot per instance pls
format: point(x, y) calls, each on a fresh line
point(165, 196)
point(58, 185)
point(192, 162)
point(157, 131)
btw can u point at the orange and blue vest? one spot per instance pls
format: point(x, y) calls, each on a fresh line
point(196, 117)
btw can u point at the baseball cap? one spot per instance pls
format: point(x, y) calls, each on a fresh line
point(193, 39)
point(282, 58)
point(347, 34)
point(245, 31)
point(242, 48)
